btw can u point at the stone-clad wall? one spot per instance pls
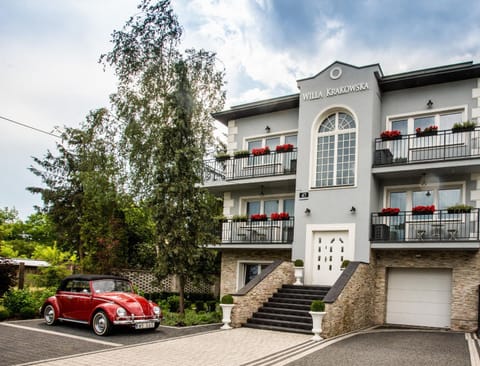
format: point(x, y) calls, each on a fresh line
point(249, 303)
point(465, 266)
point(231, 258)
point(353, 309)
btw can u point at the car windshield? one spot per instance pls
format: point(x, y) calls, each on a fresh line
point(111, 285)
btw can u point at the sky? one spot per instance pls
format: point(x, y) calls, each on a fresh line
point(49, 51)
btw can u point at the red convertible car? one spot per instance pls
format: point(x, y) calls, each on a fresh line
point(102, 302)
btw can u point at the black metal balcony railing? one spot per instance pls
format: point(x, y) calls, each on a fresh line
point(438, 226)
point(265, 232)
point(438, 145)
point(275, 163)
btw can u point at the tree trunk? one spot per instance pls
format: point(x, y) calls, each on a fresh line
point(181, 294)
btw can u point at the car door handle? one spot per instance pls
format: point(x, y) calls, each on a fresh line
point(69, 297)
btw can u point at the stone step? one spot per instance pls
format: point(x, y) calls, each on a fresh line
point(284, 317)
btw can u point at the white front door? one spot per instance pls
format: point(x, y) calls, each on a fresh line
point(329, 248)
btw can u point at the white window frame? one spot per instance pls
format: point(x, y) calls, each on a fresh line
point(264, 138)
point(410, 116)
point(262, 198)
point(314, 140)
point(435, 187)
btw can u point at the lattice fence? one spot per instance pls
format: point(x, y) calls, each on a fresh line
point(146, 282)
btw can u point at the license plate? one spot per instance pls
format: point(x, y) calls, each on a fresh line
point(146, 325)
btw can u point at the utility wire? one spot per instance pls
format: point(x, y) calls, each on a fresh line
point(30, 127)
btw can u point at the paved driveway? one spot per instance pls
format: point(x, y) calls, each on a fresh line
point(241, 347)
point(388, 347)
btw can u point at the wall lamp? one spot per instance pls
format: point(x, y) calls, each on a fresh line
point(307, 211)
point(429, 104)
point(353, 210)
point(267, 129)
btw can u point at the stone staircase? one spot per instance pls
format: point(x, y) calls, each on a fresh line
point(287, 310)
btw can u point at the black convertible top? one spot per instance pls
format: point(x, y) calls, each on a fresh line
point(89, 277)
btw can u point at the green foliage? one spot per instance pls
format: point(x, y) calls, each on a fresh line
point(4, 314)
point(241, 153)
point(460, 209)
point(173, 303)
point(317, 305)
point(8, 275)
point(49, 276)
point(298, 263)
point(25, 303)
point(190, 318)
point(227, 299)
point(345, 263)
point(463, 125)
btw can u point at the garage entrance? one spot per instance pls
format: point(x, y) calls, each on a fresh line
point(419, 297)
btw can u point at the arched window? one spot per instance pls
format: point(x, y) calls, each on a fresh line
point(336, 151)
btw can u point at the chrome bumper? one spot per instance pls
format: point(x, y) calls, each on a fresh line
point(131, 321)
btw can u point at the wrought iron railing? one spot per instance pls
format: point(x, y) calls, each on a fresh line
point(265, 232)
point(441, 225)
point(275, 163)
point(433, 146)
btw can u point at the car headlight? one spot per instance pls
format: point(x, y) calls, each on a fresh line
point(156, 310)
point(121, 312)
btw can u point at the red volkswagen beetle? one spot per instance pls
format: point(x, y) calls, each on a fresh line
point(102, 302)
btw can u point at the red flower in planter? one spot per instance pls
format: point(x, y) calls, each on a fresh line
point(424, 209)
point(426, 129)
point(394, 134)
point(284, 148)
point(280, 216)
point(261, 151)
point(258, 217)
point(390, 211)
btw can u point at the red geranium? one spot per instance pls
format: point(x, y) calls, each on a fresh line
point(424, 209)
point(390, 134)
point(261, 151)
point(258, 217)
point(284, 148)
point(280, 216)
point(390, 210)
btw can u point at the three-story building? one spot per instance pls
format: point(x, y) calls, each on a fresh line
point(366, 167)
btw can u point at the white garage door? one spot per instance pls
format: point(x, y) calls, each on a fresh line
point(419, 297)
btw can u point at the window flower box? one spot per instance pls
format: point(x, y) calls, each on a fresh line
point(463, 127)
point(427, 131)
point(261, 151)
point(241, 154)
point(284, 148)
point(459, 209)
point(423, 210)
point(222, 156)
point(280, 216)
point(389, 211)
point(258, 217)
point(391, 135)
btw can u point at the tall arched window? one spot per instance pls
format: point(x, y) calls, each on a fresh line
point(336, 151)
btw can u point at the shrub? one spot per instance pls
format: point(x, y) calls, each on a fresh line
point(4, 314)
point(50, 276)
point(25, 303)
point(173, 303)
point(227, 299)
point(317, 305)
point(211, 306)
point(28, 312)
point(298, 263)
point(199, 306)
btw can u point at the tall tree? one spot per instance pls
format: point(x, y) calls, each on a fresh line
point(165, 99)
point(81, 196)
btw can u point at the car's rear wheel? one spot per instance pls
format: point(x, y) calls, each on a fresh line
point(100, 324)
point(49, 315)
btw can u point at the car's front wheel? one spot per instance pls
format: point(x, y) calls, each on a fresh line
point(100, 324)
point(49, 315)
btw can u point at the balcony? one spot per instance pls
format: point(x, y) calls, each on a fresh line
point(441, 230)
point(268, 232)
point(273, 164)
point(435, 146)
